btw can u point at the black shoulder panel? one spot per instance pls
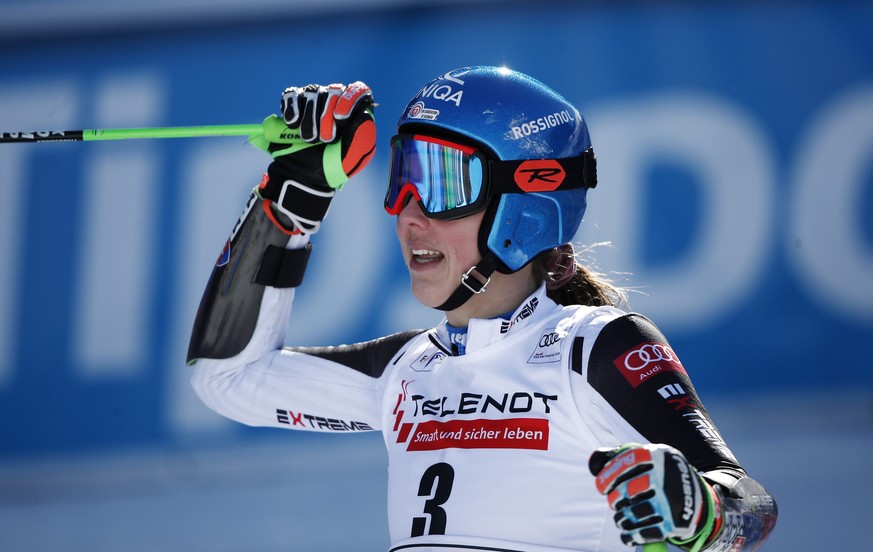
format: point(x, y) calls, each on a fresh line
point(634, 368)
point(370, 357)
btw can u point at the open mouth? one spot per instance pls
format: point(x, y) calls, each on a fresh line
point(423, 256)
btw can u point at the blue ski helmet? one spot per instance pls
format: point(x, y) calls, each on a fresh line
point(510, 116)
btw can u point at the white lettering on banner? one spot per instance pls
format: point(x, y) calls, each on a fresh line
point(11, 173)
point(110, 316)
point(22, 106)
point(824, 239)
point(113, 295)
point(732, 161)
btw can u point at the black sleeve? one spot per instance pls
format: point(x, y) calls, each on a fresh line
point(231, 302)
point(634, 368)
point(370, 357)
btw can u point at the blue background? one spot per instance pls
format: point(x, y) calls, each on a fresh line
point(107, 246)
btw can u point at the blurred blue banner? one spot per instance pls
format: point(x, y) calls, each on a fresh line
point(735, 147)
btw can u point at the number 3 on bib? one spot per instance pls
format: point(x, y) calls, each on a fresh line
point(436, 483)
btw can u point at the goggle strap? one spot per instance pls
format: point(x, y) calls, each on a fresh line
point(544, 175)
point(589, 168)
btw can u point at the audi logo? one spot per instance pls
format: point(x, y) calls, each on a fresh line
point(647, 354)
point(549, 339)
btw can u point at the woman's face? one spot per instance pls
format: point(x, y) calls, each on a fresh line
point(437, 252)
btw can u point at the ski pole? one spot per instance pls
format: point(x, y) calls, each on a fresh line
point(90, 135)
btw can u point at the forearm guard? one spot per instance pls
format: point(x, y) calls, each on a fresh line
point(747, 513)
point(253, 257)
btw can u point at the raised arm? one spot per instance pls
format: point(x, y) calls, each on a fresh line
point(241, 368)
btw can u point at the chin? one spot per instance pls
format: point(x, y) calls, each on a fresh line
point(430, 297)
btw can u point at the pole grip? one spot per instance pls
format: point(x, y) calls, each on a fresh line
point(28, 137)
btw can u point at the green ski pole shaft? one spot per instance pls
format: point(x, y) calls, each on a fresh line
point(130, 133)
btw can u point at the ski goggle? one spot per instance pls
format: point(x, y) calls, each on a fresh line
point(451, 180)
point(447, 179)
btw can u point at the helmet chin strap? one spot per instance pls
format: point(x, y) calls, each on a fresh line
point(473, 282)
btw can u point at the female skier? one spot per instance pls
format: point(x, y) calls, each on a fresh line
point(535, 396)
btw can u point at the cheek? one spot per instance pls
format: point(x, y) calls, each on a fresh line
point(468, 253)
point(467, 240)
point(398, 230)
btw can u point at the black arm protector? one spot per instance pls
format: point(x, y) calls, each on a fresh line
point(748, 512)
point(254, 256)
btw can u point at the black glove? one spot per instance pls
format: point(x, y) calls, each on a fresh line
point(656, 494)
point(326, 135)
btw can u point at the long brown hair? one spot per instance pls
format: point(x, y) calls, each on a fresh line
point(583, 287)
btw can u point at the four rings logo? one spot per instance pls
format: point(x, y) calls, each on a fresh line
point(646, 360)
point(548, 348)
point(647, 354)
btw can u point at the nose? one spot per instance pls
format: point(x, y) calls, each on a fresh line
point(412, 214)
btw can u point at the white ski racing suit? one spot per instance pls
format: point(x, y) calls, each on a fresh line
point(489, 450)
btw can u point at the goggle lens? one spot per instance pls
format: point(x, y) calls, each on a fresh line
point(446, 178)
